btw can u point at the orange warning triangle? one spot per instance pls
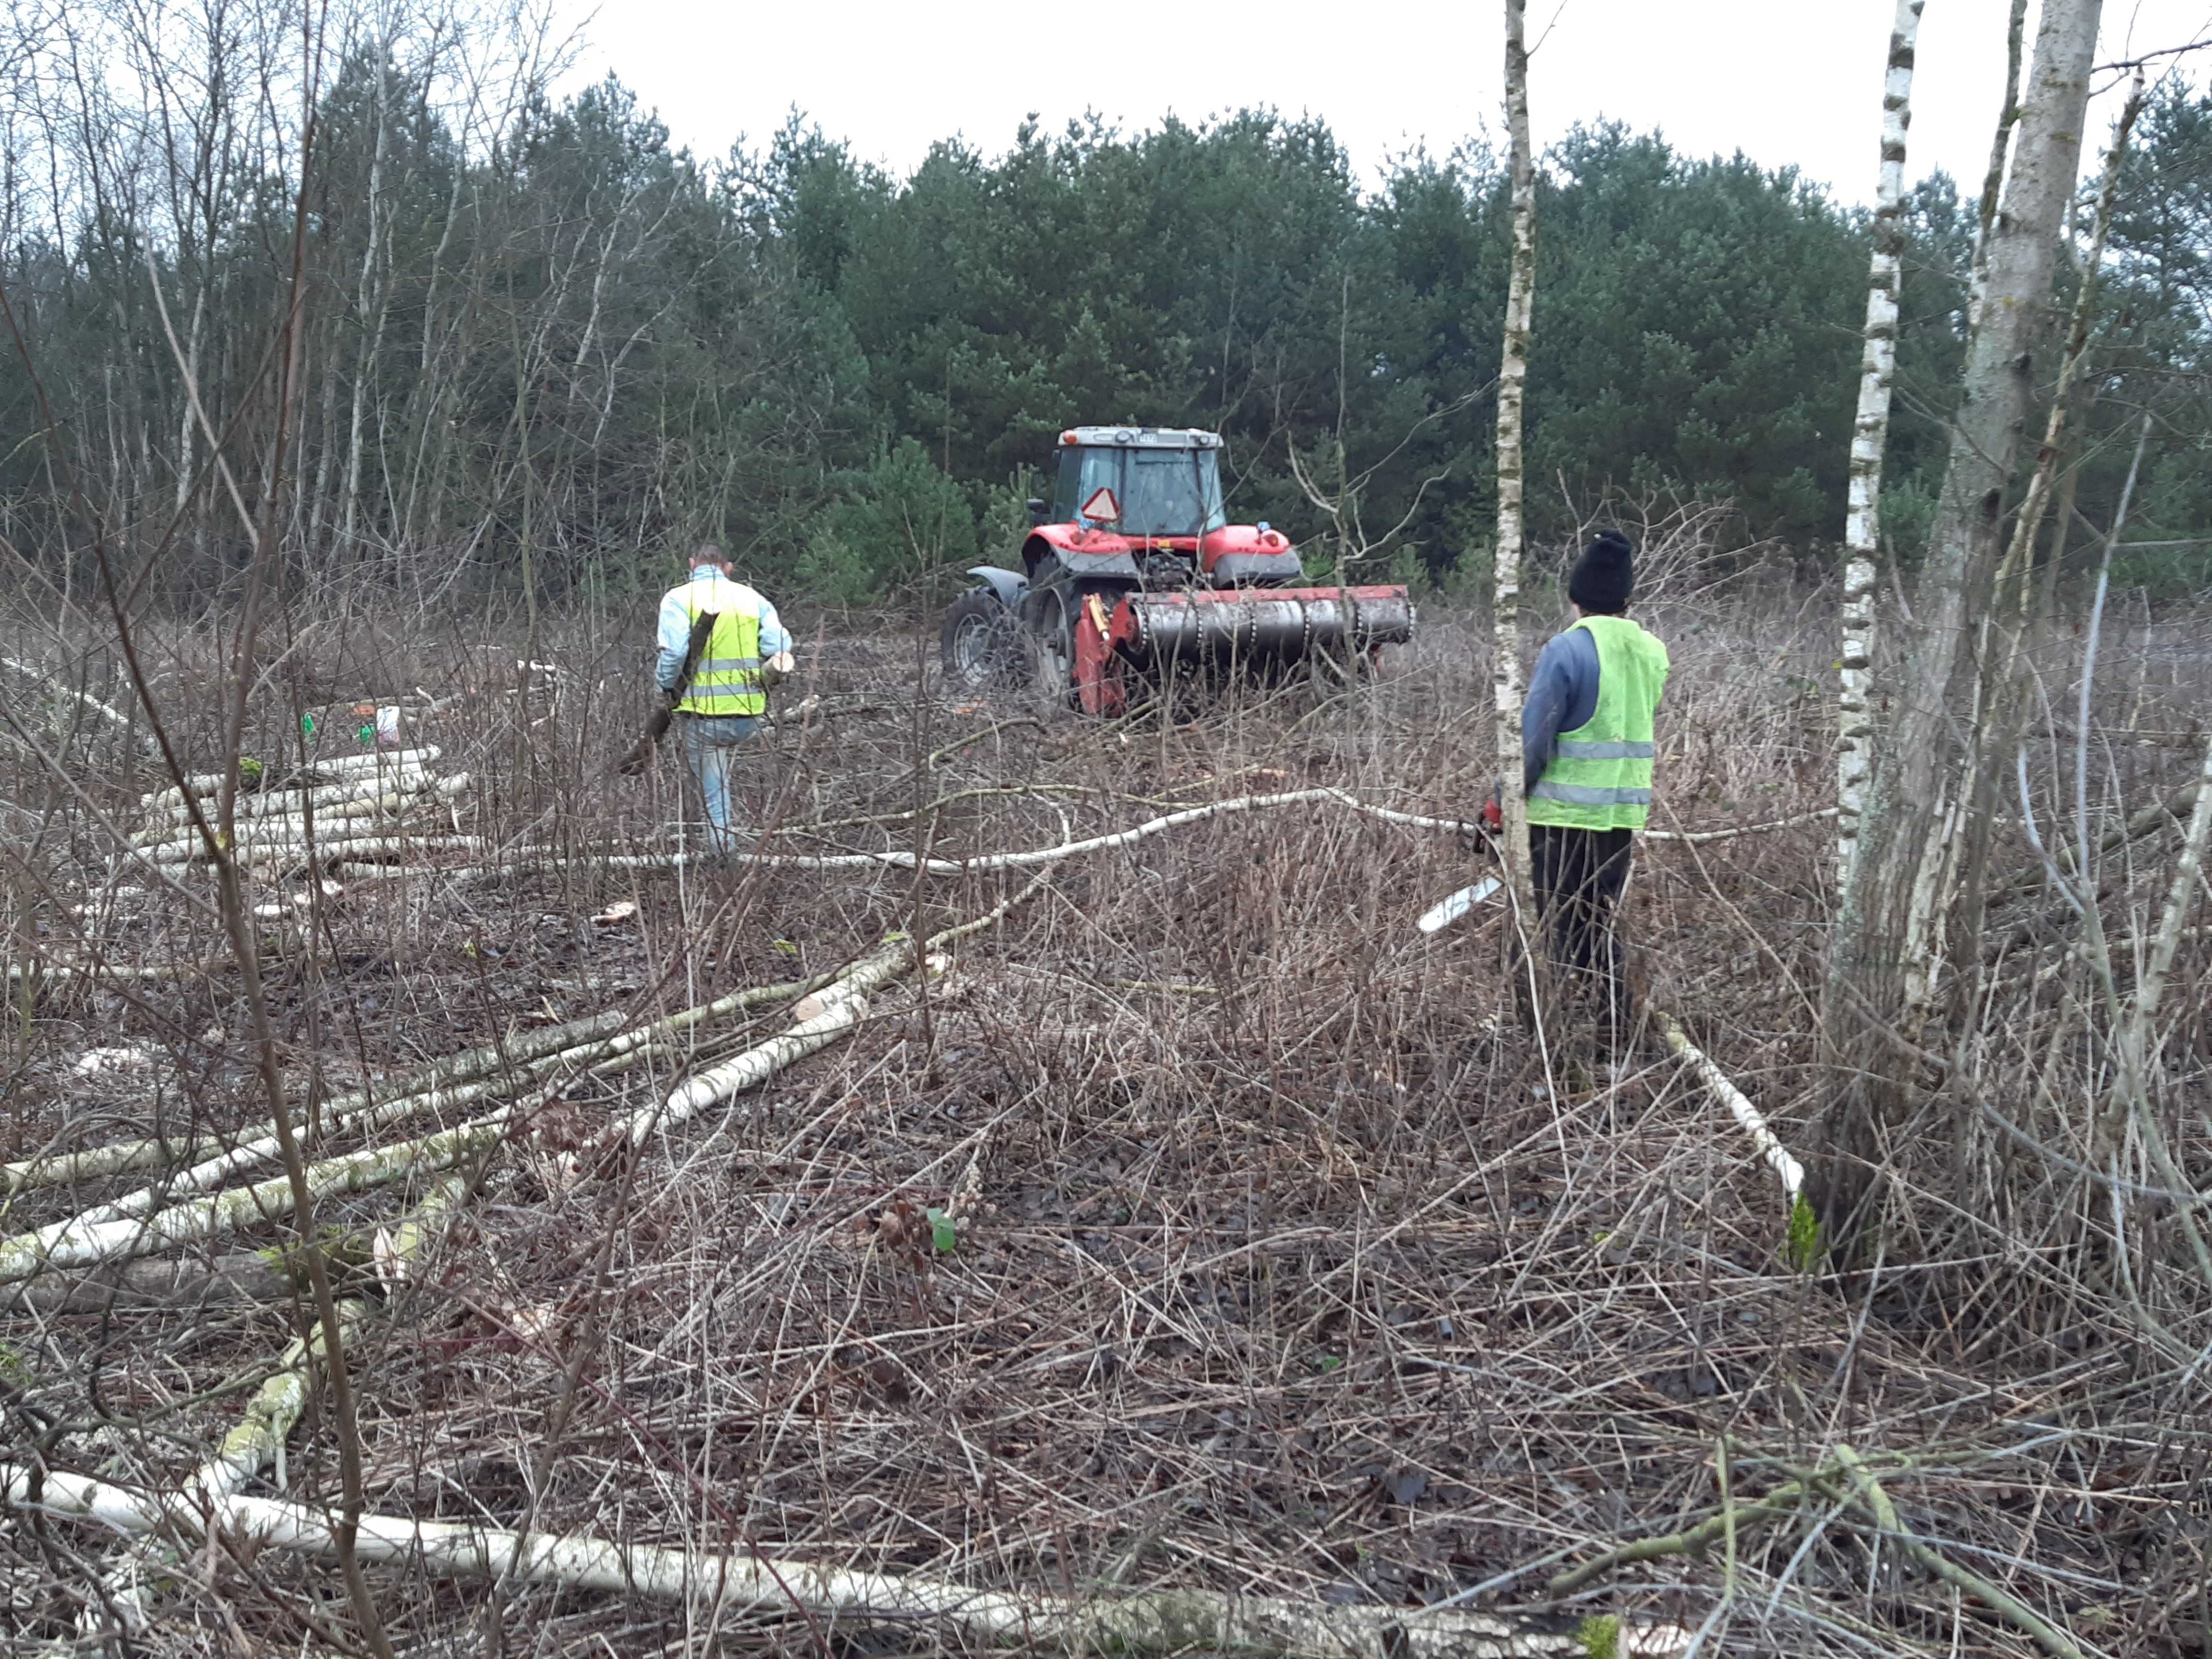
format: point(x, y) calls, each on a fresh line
point(1102, 506)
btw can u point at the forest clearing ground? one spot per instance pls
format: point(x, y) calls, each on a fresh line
point(1281, 1263)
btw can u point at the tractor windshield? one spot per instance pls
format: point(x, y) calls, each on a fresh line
point(1154, 492)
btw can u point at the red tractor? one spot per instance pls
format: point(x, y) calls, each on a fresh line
point(1133, 575)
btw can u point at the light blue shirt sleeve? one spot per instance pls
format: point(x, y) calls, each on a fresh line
point(673, 636)
point(773, 637)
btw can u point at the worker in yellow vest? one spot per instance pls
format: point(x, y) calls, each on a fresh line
point(1587, 746)
point(721, 706)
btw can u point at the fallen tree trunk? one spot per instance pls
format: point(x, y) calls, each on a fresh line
point(842, 1004)
point(170, 821)
point(1717, 1083)
point(281, 1401)
point(86, 701)
point(392, 762)
point(123, 1230)
point(1155, 1624)
point(209, 1175)
point(97, 1163)
point(379, 842)
point(80, 1244)
point(241, 1276)
point(566, 1042)
point(1033, 857)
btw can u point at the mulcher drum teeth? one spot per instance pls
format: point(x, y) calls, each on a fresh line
point(1256, 625)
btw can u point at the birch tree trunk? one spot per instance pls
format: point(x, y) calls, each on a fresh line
point(372, 344)
point(1996, 734)
point(1869, 1079)
point(1512, 387)
point(1993, 177)
point(1861, 531)
point(2020, 557)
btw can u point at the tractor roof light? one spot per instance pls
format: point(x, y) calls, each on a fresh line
point(1143, 437)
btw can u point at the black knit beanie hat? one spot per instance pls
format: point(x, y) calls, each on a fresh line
point(1605, 574)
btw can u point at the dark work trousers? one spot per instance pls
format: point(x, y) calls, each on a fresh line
point(1578, 875)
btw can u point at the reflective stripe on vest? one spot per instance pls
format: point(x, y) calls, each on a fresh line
point(1599, 775)
point(727, 679)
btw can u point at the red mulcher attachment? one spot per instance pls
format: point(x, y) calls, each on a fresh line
point(1227, 630)
point(1132, 572)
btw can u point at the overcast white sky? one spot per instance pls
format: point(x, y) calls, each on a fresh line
point(1786, 81)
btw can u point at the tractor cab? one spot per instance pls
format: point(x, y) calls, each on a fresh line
point(1139, 481)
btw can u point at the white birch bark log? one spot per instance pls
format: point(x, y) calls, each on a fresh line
point(1870, 433)
point(841, 1005)
point(1512, 389)
point(1033, 857)
point(1747, 1116)
point(278, 1405)
point(87, 1244)
point(166, 821)
point(587, 1040)
point(377, 842)
point(383, 763)
point(288, 819)
point(209, 1175)
point(84, 700)
point(1155, 1625)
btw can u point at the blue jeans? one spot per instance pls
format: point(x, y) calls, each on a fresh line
point(710, 743)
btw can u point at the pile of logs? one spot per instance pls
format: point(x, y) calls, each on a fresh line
point(380, 804)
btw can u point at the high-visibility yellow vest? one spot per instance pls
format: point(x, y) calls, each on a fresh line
point(1600, 776)
point(727, 677)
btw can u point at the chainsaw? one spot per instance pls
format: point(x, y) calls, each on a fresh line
point(1449, 909)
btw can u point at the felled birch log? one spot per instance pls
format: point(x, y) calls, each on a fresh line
point(239, 1276)
point(390, 763)
point(1032, 858)
point(325, 801)
point(209, 1175)
point(282, 1400)
point(382, 759)
point(841, 1005)
point(846, 1007)
point(97, 1163)
point(62, 972)
point(1144, 1624)
point(1717, 1083)
point(84, 700)
point(376, 841)
point(567, 1041)
point(77, 1245)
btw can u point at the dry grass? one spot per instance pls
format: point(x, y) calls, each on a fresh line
point(1284, 1263)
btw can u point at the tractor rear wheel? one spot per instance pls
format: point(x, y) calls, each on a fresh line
point(1050, 634)
point(981, 643)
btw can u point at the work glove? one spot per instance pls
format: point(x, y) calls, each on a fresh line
point(776, 670)
point(1477, 835)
